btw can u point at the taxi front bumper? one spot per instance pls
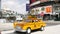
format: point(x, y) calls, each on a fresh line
point(19, 29)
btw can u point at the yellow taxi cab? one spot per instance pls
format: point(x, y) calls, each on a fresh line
point(28, 25)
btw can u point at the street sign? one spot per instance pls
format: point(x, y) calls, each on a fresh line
point(27, 7)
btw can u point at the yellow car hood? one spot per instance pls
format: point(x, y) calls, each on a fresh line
point(21, 23)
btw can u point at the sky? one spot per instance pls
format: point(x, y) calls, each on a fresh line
point(15, 5)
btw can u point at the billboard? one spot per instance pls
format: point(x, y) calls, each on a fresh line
point(32, 1)
point(44, 0)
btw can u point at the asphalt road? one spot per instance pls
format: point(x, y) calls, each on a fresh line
point(48, 25)
point(48, 30)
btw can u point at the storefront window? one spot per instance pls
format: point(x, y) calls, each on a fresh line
point(42, 9)
point(57, 7)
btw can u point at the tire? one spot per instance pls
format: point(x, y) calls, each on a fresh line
point(28, 31)
point(42, 29)
point(16, 31)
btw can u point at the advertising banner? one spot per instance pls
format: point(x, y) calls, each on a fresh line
point(32, 1)
point(27, 7)
point(44, 0)
point(48, 9)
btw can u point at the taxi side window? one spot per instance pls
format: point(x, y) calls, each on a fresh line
point(32, 20)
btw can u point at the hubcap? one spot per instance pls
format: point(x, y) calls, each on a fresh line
point(28, 31)
point(42, 28)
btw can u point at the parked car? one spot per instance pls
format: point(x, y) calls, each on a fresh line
point(28, 25)
point(5, 25)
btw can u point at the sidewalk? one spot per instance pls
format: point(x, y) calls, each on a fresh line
point(52, 21)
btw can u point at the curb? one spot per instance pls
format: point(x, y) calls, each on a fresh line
point(52, 21)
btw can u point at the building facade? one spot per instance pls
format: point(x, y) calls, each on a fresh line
point(49, 9)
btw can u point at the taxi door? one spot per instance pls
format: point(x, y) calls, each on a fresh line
point(37, 24)
point(34, 26)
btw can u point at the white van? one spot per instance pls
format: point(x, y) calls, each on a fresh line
point(5, 25)
point(19, 18)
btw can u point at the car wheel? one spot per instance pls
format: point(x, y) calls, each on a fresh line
point(42, 28)
point(28, 31)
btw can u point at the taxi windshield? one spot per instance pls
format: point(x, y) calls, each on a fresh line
point(27, 20)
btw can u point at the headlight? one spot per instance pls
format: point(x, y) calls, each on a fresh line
point(17, 27)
